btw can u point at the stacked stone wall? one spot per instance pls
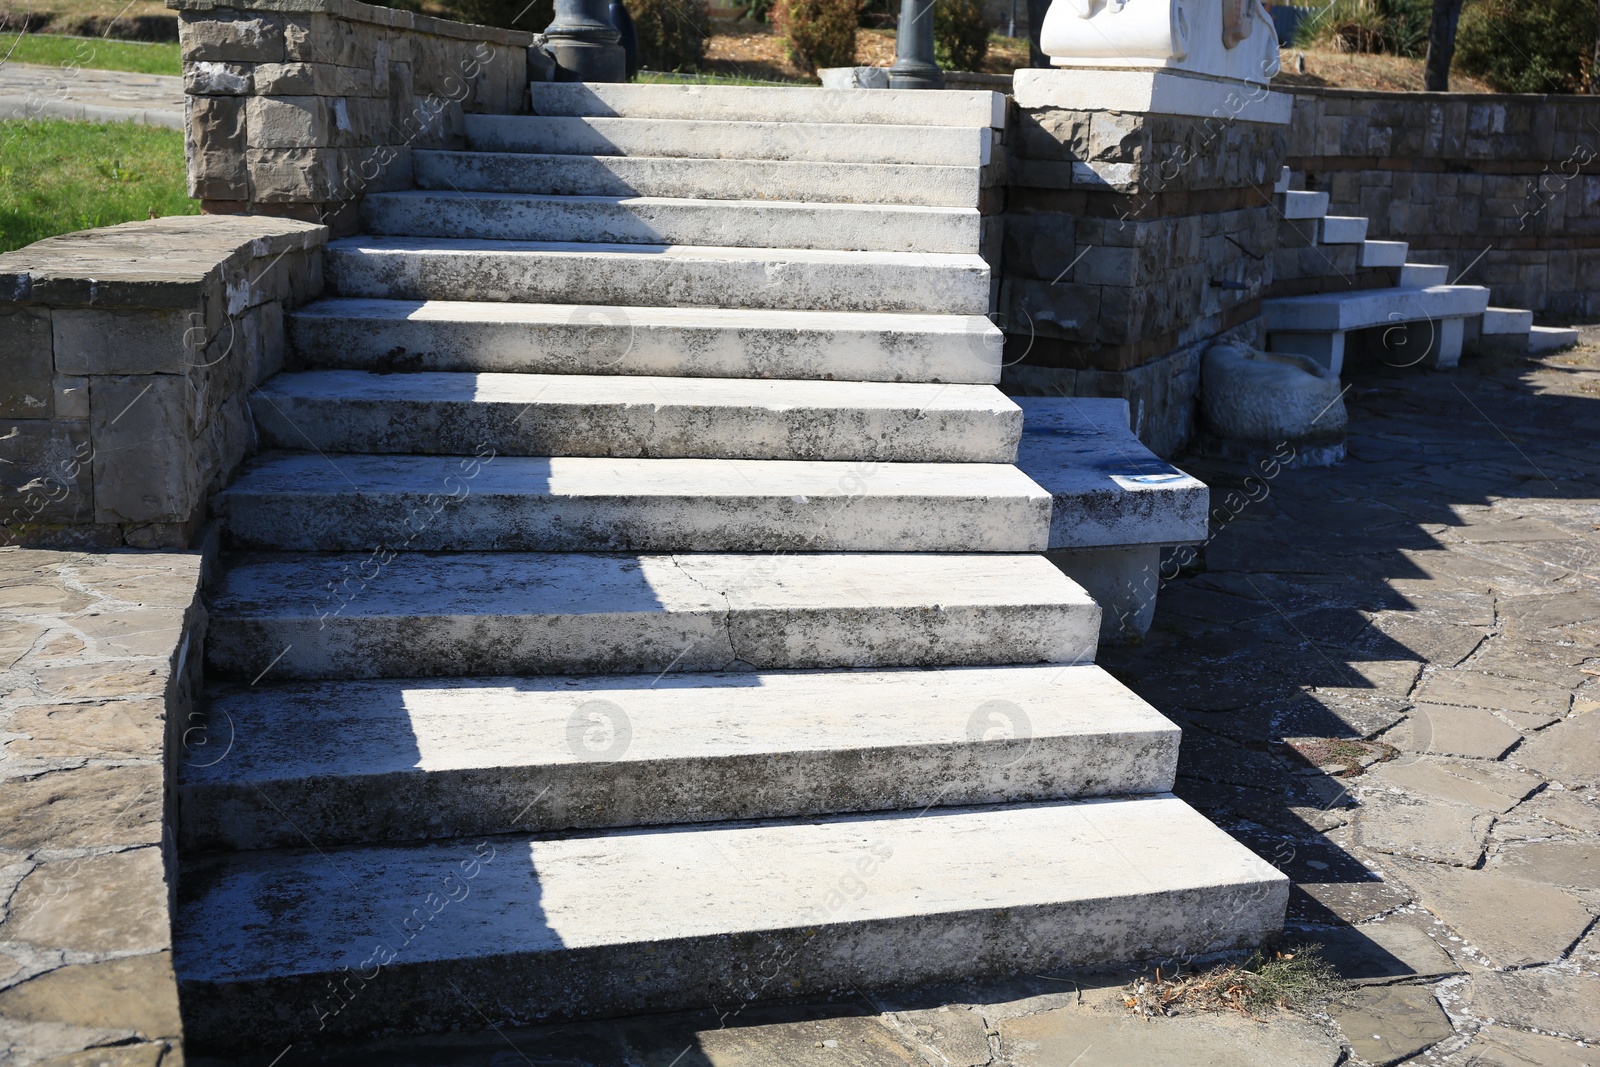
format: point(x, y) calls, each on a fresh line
point(1504, 189)
point(1131, 242)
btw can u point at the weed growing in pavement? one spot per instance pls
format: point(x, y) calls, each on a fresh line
point(1294, 978)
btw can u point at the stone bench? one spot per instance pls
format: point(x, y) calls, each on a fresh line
point(1432, 317)
point(1116, 504)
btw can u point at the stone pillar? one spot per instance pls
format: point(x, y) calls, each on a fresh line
point(585, 44)
point(914, 66)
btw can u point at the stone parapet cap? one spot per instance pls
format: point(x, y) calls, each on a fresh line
point(1155, 92)
point(355, 11)
point(1579, 100)
point(158, 263)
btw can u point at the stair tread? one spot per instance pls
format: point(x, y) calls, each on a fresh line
point(952, 107)
point(651, 252)
point(730, 139)
point(1360, 308)
point(258, 915)
point(405, 614)
point(634, 199)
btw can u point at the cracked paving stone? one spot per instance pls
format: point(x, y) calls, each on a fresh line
point(1511, 920)
point(1400, 636)
point(1442, 730)
point(1545, 999)
point(1203, 755)
point(1499, 1046)
point(1573, 810)
point(1471, 782)
point(1339, 713)
point(1095, 1039)
point(1425, 829)
point(1473, 689)
point(1539, 661)
point(1569, 864)
point(1382, 951)
point(1330, 886)
point(1511, 530)
point(1538, 616)
point(1568, 752)
point(1387, 1024)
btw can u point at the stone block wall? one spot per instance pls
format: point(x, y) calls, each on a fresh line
point(126, 358)
point(1504, 189)
point(297, 108)
point(1131, 242)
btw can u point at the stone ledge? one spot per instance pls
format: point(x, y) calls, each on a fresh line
point(354, 11)
point(159, 263)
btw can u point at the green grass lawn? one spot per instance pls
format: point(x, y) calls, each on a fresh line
point(57, 177)
point(92, 52)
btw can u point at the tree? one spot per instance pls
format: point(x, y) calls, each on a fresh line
point(1441, 45)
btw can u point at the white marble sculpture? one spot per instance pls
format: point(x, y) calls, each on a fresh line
point(1220, 38)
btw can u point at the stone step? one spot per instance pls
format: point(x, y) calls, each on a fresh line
point(806, 141)
point(1384, 253)
point(502, 415)
point(658, 275)
point(347, 762)
point(445, 335)
point(503, 930)
point(1373, 307)
point(662, 220)
point(1285, 178)
point(704, 179)
point(1302, 204)
point(1344, 229)
point(891, 107)
point(1424, 274)
point(409, 614)
point(1506, 320)
point(1551, 338)
point(301, 501)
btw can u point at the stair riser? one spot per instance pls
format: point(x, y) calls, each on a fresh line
point(725, 522)
point(720, 224)
point(470, 803)
point(810, 141)
point(633, 430)
point(681, 973)
point(339, 646)
point(906, 107)
point(611, 341)
point(709, 179)
point(663, 281)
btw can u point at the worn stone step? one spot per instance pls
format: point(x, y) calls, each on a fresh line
point(388, 614)
point(804, 141)
point(658, 275)
point(641, 416)
point(347, 762)
point(662, 220)
point(1551, 338)
point(800, 104)
point(706, 179)
point(345, 502)
point(1506, 320)
point(1302, 204)
point(524, 927)
point(1424, 274)
point(1344, 229)
point(446, 335)
point(1384, 253)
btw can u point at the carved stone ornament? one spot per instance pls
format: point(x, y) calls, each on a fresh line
point(1221, 38)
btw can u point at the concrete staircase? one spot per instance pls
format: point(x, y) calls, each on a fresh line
point(637, 604)
point(1331, 281)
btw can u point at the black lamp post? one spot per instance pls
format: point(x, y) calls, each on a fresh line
point(914, 67)
point(584, 43)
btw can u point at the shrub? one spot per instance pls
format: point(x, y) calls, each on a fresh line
point(512, 14)
point(672, 33)
point(818, 33)
point(1522, 47)
point(960, 34)
point(1399, 27)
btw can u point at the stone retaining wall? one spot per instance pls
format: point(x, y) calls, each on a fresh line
point(1131, 242)
point(1505, 189)
point(100, 658)
point(299, 107)
point(126, 357)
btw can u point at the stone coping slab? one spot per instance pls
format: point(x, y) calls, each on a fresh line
point(354, 11)
point(157, 263)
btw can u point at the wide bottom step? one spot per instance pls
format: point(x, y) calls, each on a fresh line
point(508, 930)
